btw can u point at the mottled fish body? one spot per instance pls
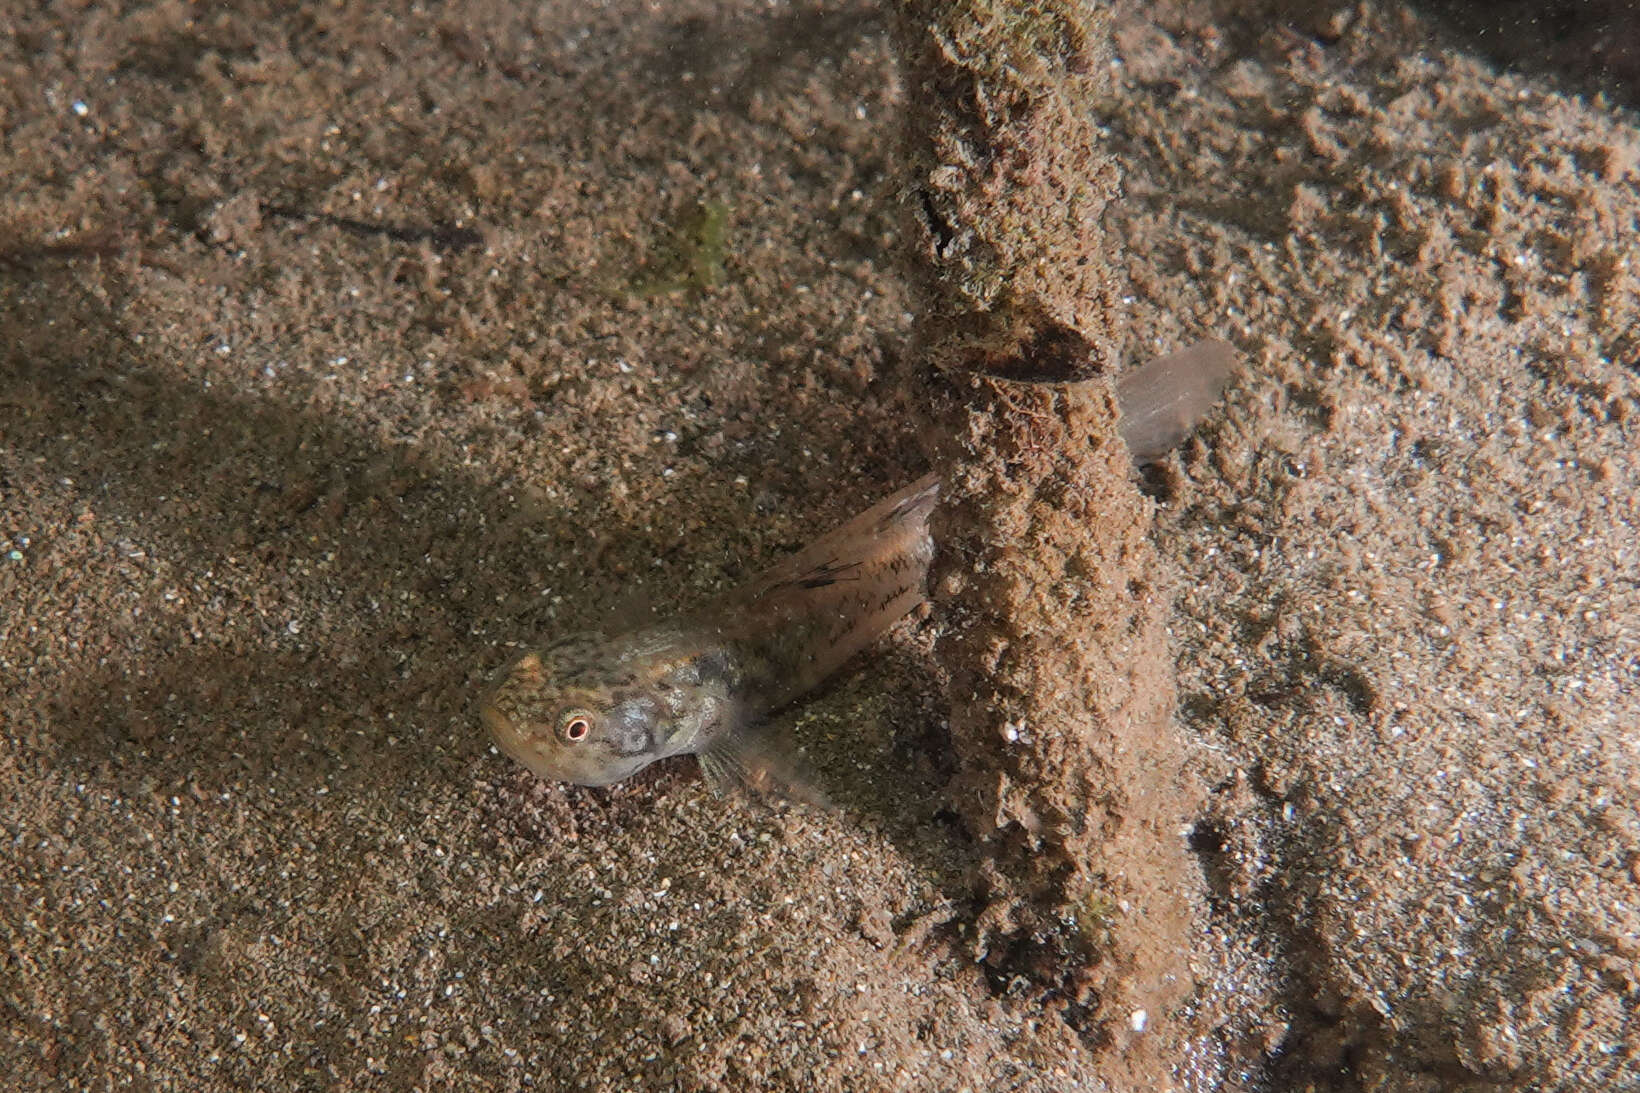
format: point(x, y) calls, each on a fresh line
point(594, 709)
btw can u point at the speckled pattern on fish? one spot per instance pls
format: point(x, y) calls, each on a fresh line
point(594, 709)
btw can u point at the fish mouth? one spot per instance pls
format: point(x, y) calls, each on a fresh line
point(501, 729)
point(493, 719)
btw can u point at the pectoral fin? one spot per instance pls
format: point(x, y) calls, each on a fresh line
point(758, 767)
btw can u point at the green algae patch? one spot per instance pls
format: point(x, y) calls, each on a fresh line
point(691, 258)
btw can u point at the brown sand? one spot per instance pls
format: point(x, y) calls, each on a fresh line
point(1409, 628)
point(326, 372)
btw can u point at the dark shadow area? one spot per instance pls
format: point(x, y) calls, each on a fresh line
point(1585, 46)
point(727, 64)
point(1588, 46)
point(232, 484)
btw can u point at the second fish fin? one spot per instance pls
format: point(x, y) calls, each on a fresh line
point(1163, 400)
point(757, 766)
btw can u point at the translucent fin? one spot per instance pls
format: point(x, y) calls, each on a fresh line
point(758, 767)
point(801, 620)
point(893, 527)
point(1163, 400)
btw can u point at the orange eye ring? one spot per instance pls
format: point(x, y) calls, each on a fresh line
point(577, 727)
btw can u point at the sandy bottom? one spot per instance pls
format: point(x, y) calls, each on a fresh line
point(343, 350)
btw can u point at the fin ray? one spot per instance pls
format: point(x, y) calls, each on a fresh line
point(757, 766)
point(1163, 400)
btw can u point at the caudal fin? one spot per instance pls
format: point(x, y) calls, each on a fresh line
point(1163, 400)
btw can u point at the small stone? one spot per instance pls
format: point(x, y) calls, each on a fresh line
point(675, 1029)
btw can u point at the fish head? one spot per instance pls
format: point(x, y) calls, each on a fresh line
point(570, 713)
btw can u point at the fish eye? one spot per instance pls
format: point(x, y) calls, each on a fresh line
point(577, 724)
